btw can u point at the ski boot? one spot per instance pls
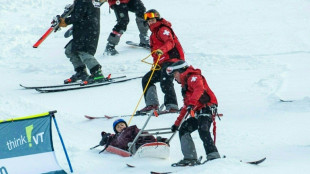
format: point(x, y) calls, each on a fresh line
point(81, 74)
point(95, 77)
point(110, 50)
point(144, 45)
point(187, 162)
point(147, 109)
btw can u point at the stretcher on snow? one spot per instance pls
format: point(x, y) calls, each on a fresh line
point(153, 149)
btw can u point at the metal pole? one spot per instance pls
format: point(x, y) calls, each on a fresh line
point(168, 128)
point(141, 130)
point(61, 140)
point(184, 118)
point(156, 133)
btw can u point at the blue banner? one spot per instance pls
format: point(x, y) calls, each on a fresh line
point(27, 143)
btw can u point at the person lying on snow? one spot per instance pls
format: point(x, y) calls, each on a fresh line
point(124, 135)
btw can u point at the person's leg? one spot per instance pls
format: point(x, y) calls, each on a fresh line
point(78, 65)
point(150, 95)
point(93, 66)
point(187, 143)
point(167, 87)
point(138, 8)
point(73, 57)
point(204, 124)
point(121, 13)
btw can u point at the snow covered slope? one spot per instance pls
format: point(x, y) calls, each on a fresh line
point(252, 52)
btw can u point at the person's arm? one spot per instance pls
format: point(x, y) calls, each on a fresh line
point(165, 35)
point(196, 83)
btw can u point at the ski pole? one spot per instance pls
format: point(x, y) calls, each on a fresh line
point(94, 147)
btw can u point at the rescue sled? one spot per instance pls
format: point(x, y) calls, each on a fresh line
point(152, 150)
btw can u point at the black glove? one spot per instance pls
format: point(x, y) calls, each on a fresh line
point(189, 108)
point(105, 138)
point(174, 128)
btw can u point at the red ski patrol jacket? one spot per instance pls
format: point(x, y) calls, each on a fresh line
point(113, 2)
point(163, 38)
point(196, 92)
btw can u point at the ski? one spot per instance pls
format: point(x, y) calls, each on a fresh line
point(134, 44)
point(160, 172)
point(128, 115)
point(281, 100)
point(55, 25)
point(49, 90)
point(50, 86)
point(62, 85)
point(129, 165)
point(256, 162)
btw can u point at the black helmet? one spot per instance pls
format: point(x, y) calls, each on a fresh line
point(151, 14)
point(179, 66)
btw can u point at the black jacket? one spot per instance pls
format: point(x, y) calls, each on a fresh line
point(86, 25)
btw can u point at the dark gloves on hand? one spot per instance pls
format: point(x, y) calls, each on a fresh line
point(189, 108)
point(174, 128)
point(105, 138)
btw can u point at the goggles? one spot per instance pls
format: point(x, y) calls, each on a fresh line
point(150, 15)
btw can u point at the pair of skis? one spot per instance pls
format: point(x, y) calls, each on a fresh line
point(250, 162)
point(78, 85)
point(160, 112)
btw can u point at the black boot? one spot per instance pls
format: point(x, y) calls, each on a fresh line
point(144, 45)
point(110, 49)
point(96, 75)
point(81, 74)
point(186, 162)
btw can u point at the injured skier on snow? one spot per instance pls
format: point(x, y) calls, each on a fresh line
point(125, 135)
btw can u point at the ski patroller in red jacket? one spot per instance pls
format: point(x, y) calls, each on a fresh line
point(113, 2)
point(196, 88)
point(163, 38)
point(127, 135)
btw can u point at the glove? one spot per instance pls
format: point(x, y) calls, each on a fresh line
point(174, 128)
point(190, 110)
point(62, 22)
point(159, 52)
point(105, 138)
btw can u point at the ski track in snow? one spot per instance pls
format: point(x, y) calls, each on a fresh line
point(252, 53)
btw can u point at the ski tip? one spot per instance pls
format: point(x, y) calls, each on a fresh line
point(160, 172)
point(39, 90)
point(258, 161)
point(281, 100)
point(131, 166)
point(89, 117)
point(108, 117)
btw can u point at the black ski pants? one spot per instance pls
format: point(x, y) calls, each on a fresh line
point(166, 84)
point(121, 13)
point(203, 124)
